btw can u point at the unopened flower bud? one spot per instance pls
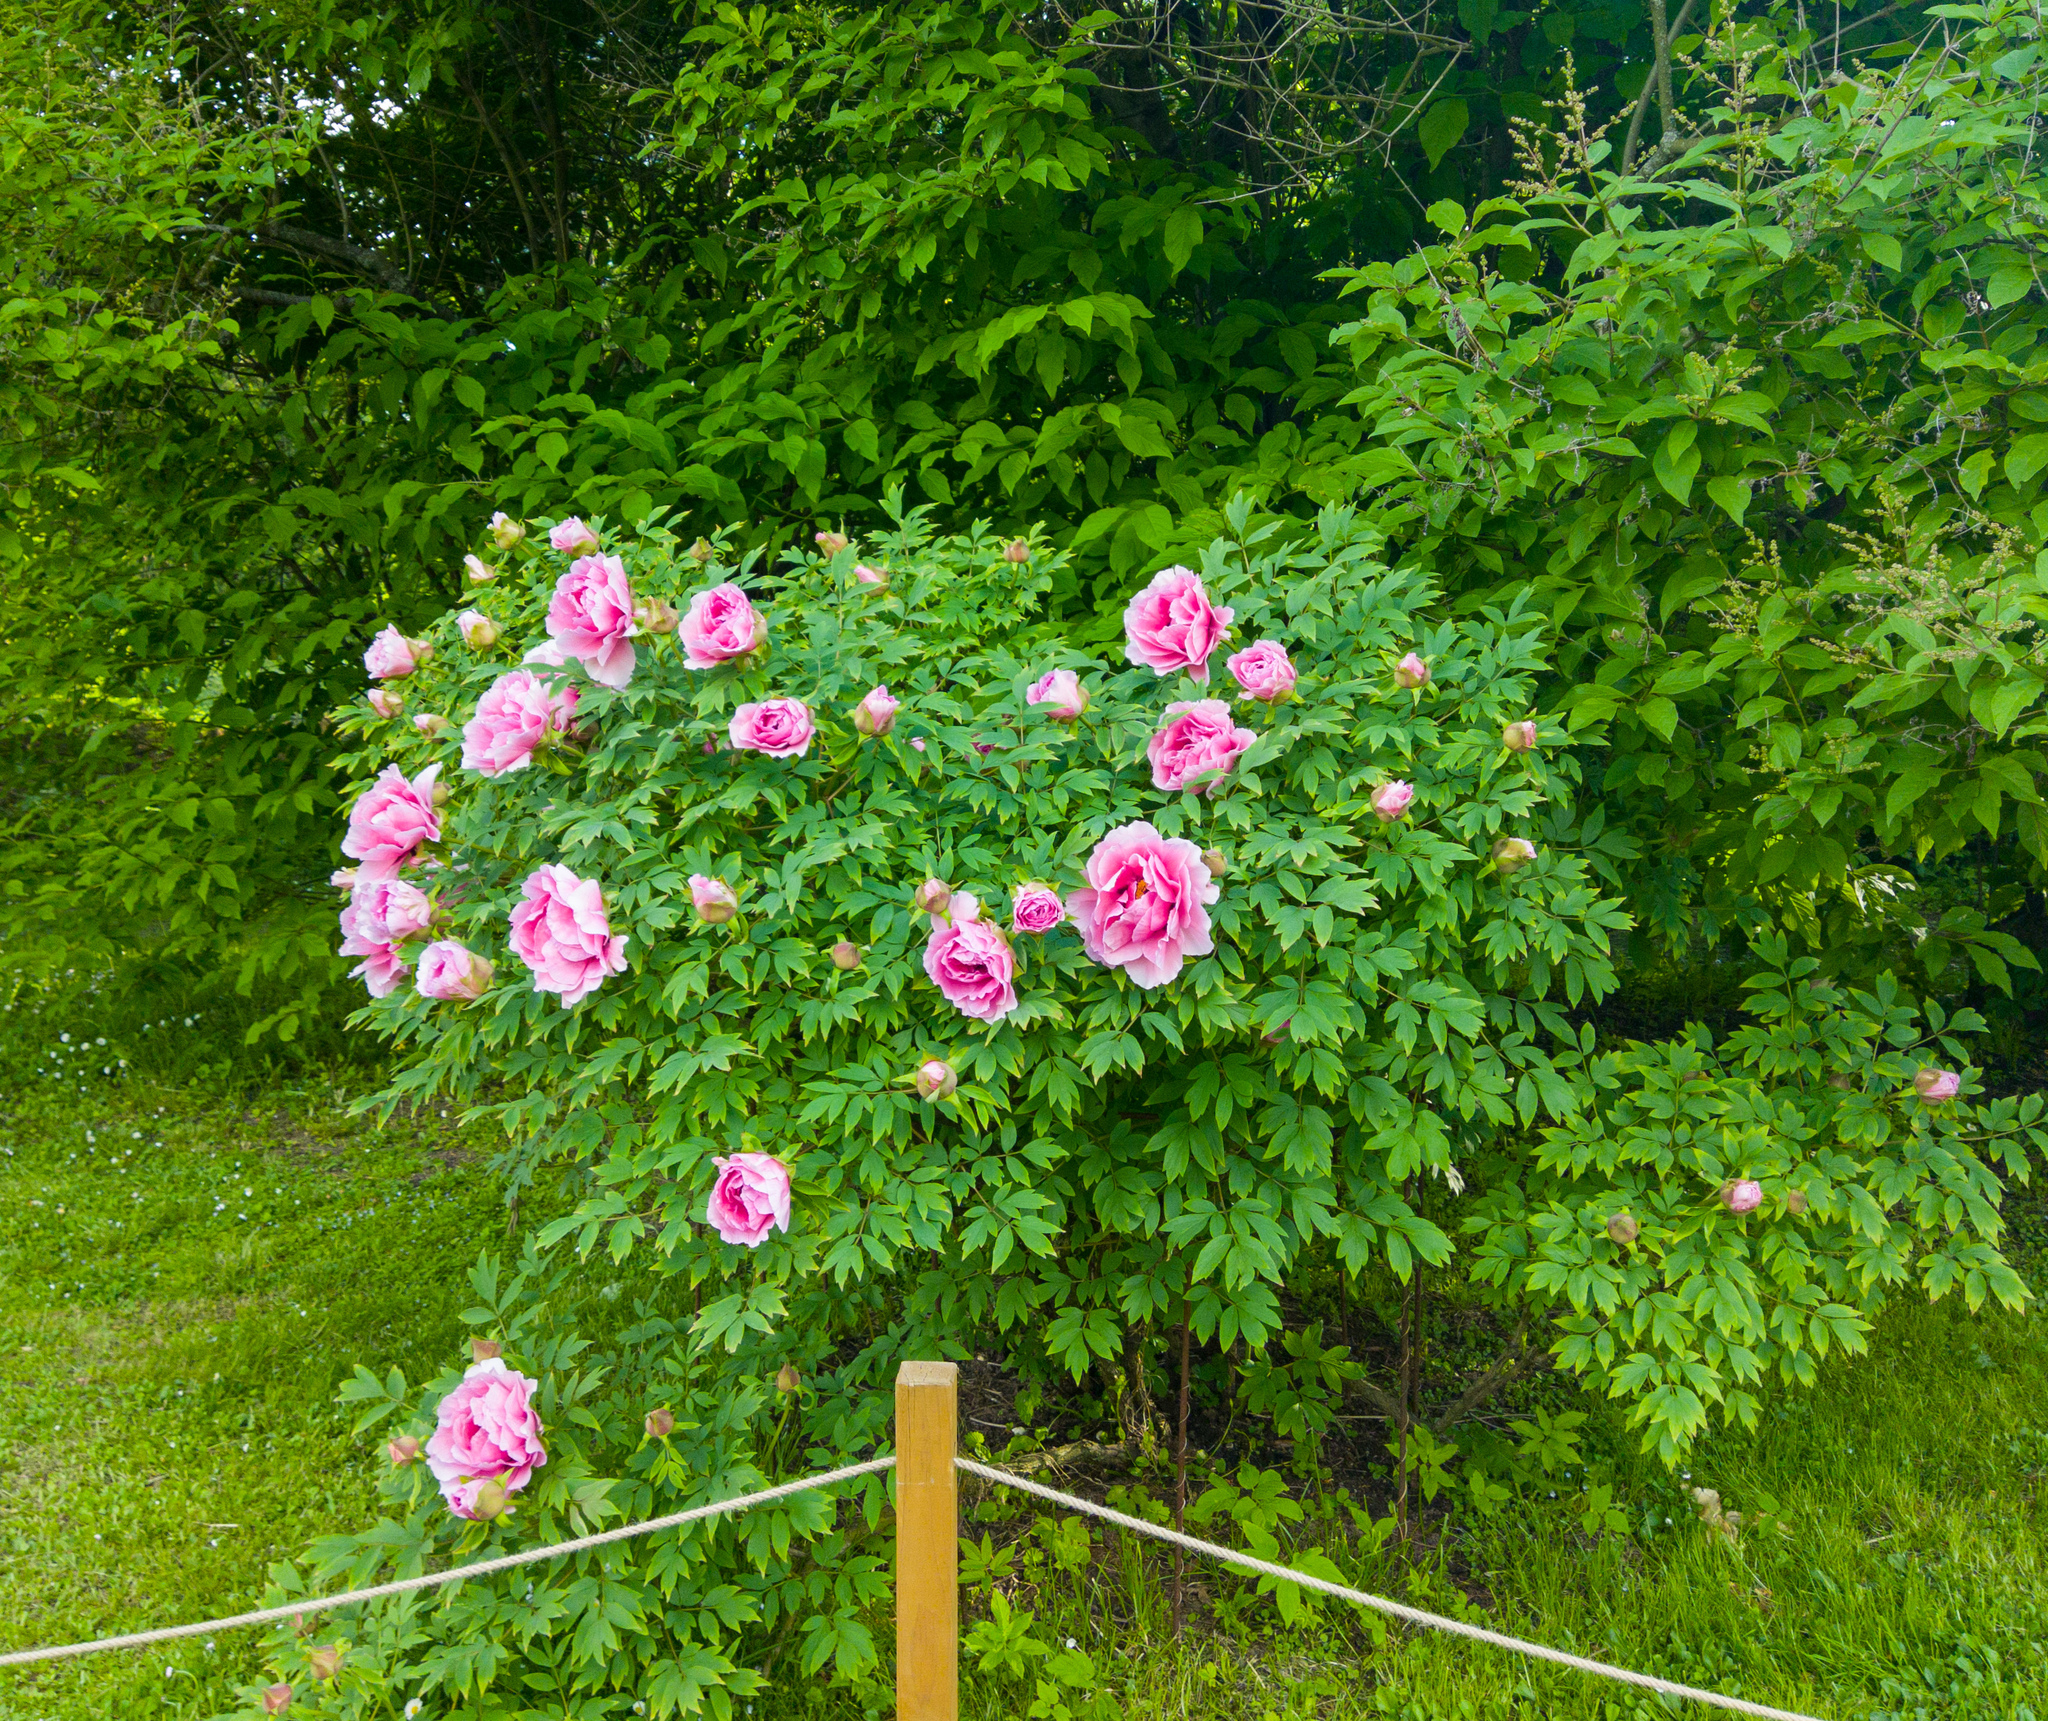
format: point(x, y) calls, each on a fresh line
point(1519, 737)
point(442, 795)
point(868, 576)
point(700, 551)
point(493, 1500)
point(325, 1661)
point(1390, 801)
point(876, 713)
point(480, 572)
point(302, 1625)
point(932, 897)
point(1214, 861)
point(1623, 1229)
point(713, 899)
point(661, 1423)
point(845, 955)
point(482, 1350)
point(1511, 854)
point(1016, 550)
point(1795, 1201)
point(936, 1079)
point(506, 532)
point(1937, 1086)
point(655, 615)
point(787, 1380)
point(404, 1450)
point(345, 879)
point(276, 1699)
point(831, 543)
point(432, 725)
point(387, 702)
point(478, 631)
point(1411, 672)
point(1745, 1195)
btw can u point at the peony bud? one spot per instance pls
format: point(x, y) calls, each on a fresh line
point(713, 899)
point(1743, 1196)
point(1411, 672)
point(661, 1423)
point(506, 532)
point(868, 576)
point(1937, 1087)
point(876, 713)
point(479, 632)
point(1390, 800)
point(787, 1380)
point(573, 538)
point(700, 551)
point(845, 955)
point(345, 879)
point(432, 725)
point(936, 1079)
point(493, 1500)
point(404, 1450)
point(1519, 737)
point(655, 615)
point(276, 1699)
point(931, 897)
point(482, 1350)
point(387, 702)
point(441, 797)
point(1511, 854)
point(1795, 1201)
point(325, 1661)
point(831, 543)
point(480, 572)
point(1623, 1229)
point(302, 1625)
point(1214, 861)
point(1016, 550)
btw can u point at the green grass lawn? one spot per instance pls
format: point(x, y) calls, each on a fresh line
point(186, 1277)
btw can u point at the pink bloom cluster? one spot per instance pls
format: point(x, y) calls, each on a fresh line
point(485, 1431)
point(970, 961)
point(1198, 748)
point(390, 822)
point(1146, 908)
point(450, 972)
point(1263, 669)
point(1036, 908)
point(749, 1198)
point(781, 728)
point(392, 655)
point(518, 714)
point(719, 626)
point(1171, 625)
point(561, 931)
point(1062, 690)
point(590, 618)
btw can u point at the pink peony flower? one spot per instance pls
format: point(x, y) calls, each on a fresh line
point(1511, 854)
point(876, 713)
point(478, 631)
point(719, 625)
point(389, 909)
point(506, 531)
point(1411, 672)
point(936, 1079)
point(713, 899)
point(1263, 670)
point(452, 973)
point(519, 713)
point(870, 576)
point(1937, 1087)
point(1062, 690)
point(1519, 737)
point(749, 1199)
point(480, 572)
point(969, 960)
point(1743, 1196)
point(1198, 748)
point(486, 1430)
point(1036, 908)
point(390, 820)
point(380, 970)
point(573, 538)
point(1390, 800)
point(1146, 908)
point(387, 702)
point(392, 655)
point(562, 933)
point(590, 617)
point(1171, 625)
point(781, 728)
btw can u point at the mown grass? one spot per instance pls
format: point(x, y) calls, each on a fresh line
point(194, 1252)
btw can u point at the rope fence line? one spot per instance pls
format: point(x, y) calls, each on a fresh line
point(432, 1580)
point(927, 1586)
point(1380, 1604)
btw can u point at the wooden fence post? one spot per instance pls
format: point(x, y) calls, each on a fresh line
point(927, 1543)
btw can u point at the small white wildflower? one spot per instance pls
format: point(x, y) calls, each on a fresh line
point(412, 1709)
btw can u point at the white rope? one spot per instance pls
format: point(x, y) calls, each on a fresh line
point(483, 1568)
point(1413, 1615)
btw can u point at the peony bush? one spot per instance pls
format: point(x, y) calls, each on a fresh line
point(888, 975)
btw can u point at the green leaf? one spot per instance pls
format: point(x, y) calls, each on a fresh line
point(1910, 784)
point(1884, 250)
point(1442, 126)
point(1183, 234)
point(1732, 494)
point(2026, 458)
